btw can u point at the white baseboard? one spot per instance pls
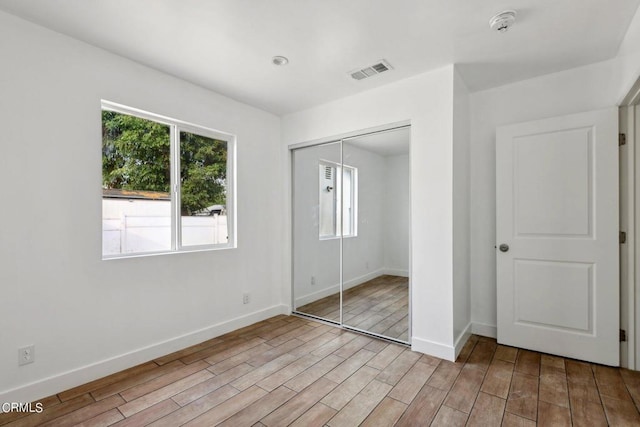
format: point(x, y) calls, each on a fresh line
point(442, 351)
point(315, 296)
point(462, 339)
point(361, 279)
point(484, 330)
point(73, 378)
point(395, 272)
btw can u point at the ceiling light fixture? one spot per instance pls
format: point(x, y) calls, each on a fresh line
point(280, 60)
point(502, 21)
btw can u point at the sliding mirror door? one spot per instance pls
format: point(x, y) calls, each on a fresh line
point(317, 212)
point(351, 202)
point(375, 248)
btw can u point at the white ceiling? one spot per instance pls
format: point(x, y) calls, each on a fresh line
point(227, 45)
point(385, 144)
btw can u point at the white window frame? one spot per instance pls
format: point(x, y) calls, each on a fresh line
point(176, 126)
point(353, 201)
point(338, 208)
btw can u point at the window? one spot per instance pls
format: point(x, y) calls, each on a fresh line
point(167, 186)
point(337, 200)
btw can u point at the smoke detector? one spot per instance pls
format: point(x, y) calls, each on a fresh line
point(280, 60)
point(503, 20)
point(370, 71)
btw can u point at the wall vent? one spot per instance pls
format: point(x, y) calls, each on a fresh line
point(366, 72)
point(328, 172)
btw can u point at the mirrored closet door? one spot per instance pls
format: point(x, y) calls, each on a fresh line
point(351, 202)
point(316, 231)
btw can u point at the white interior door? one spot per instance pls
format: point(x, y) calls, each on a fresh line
point(557, 211)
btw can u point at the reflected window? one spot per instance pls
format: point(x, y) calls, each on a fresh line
point(337, 202)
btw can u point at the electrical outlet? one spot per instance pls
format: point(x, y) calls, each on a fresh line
point(245, 298)
point(367, 265)
point(313, 280)
point(26, 355)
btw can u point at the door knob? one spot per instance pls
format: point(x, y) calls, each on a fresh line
point(504, 247)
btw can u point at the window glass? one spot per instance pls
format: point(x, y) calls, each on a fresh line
point(136, 180)
point(165, 184)
point(328, 200)
point(203, 196)
point(337, 200)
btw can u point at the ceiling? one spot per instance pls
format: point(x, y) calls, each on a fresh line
point(389, 143)
point(227, 45)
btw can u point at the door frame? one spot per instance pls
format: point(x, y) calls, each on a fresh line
point(629, 124)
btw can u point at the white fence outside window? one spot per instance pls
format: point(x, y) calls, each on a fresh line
point(134, 226)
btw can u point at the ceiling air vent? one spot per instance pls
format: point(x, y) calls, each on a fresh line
point(372, 70)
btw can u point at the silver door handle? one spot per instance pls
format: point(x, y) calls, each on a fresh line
point(503, 247)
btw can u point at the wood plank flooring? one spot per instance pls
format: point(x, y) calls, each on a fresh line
point(293, 371)
point(380, 305)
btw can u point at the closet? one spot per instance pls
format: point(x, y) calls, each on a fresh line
point(350, 220)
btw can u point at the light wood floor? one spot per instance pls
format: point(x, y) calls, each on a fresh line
point(292, 371)
point(380, 305)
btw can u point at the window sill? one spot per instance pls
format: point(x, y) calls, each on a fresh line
point(337, 237)
point(176, 252)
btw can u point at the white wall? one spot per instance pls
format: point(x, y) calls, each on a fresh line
point(427, 102)
point(591, 87)
point(461, 214)
point(367, 248)
point(396, 201)
point(89, 317)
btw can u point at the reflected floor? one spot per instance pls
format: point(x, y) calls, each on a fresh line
point(380, 305)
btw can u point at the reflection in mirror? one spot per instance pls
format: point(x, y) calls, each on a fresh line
point(317, 228)
point(375, 251)
point(351, 204)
